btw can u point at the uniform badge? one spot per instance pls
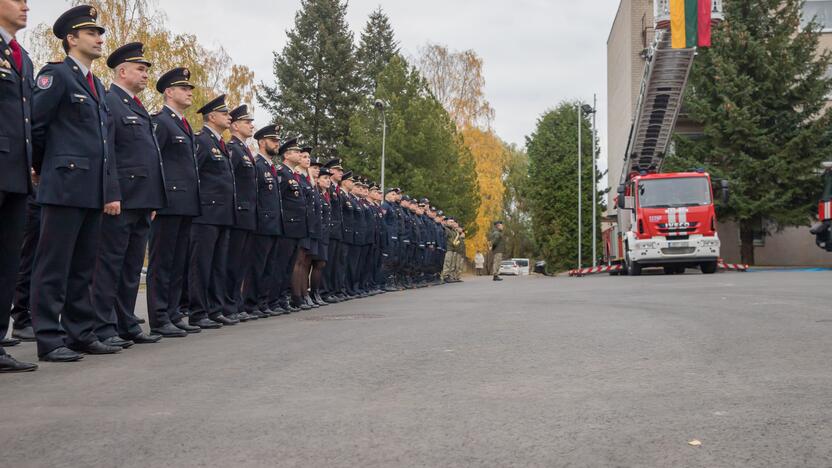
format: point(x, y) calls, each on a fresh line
point(7, 52)
point(45, 81)
point(6, 64)
point(93, 12)
point(215, 151)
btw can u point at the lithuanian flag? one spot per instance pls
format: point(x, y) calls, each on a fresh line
point(690, 23)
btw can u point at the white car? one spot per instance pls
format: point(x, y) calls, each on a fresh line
point(509, 267)
point(523, 264)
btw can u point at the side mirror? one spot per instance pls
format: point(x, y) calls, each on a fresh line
point(726, 193)
point(621, 197)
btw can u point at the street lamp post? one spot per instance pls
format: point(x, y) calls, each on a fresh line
point(580, 194)
point(381, 106)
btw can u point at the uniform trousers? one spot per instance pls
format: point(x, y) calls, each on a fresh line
point(284, 263)
point(258, 279)
point(62, 313)
point(353, 268)
point(331, 283)
point(169, 239)
point(239, 262)
point(21, 310)
point(206, 270)
point(13, 216)
point(118, 270)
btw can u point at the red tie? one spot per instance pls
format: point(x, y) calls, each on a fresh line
point(187, 127)
point(92, 85)
point(222, 146)
point(274, 171)
point(138, 101)
point(297, 177)
point(17, 55)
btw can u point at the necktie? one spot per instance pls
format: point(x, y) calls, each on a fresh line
point(185, 122)
point(91, 82)
point(138, 101)
point(222, 145)
point(17, 55)
point(274, 171)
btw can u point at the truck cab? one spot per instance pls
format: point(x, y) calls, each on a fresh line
point(668, 220)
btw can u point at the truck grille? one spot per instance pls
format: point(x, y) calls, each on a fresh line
point(678, 250)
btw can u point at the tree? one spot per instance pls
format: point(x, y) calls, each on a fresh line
point(760, 93)
point(457, 81)
point(425, 155)
point(317, 80)
point(552, 186)
point(212, 71)
point(378, 46)
point(518, 221)
point(491, 157)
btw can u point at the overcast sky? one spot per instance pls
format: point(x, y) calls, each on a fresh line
point(536, 52)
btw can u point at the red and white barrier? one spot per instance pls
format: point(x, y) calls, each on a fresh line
point(617, 268)
point(595, 270)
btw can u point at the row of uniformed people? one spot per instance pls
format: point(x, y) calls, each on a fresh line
point(228, 232)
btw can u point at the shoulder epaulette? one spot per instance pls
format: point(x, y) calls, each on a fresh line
point(198, 133)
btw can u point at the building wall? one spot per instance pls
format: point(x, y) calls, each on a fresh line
point(625, 67)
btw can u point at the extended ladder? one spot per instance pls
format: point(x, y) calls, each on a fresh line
point(660, 100)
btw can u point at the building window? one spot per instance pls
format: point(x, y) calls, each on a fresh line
point(821, 10)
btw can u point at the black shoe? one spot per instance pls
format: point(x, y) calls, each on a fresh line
point(169, 330)
point(308, 301)
point(143, 338)
point(233, 317)
point(207, 324)
point(9, 342)
point(9, 364)
point(244, 317)
point(186, 327)
point(140, 320)
point(96, 347)
point(24, 334)
point(497, 278)
point(332, 300)
point(62, 354)
point(278, 311)
point(290, 309)
point(222, 319)
point(316, 297)
point(118, 342)
point(257, 314)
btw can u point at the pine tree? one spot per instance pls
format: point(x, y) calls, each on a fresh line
point(760, 93)
point(378, 46)
point(317, 81)
point(425, 154)
point(552, 187)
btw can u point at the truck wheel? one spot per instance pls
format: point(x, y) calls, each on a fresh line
point(633, 268)
point(708, 268)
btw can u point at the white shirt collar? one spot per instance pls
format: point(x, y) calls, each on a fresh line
point(5, 35)
point(84, 69)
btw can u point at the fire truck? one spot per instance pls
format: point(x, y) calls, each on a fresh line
point(823, 229)
point(662, 219)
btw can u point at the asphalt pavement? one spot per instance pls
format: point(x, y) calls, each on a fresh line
point(596, 371)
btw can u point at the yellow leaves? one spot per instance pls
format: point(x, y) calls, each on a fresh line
point(491, 157)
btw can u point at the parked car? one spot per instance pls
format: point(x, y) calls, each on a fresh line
point(509, 267)
point(523, 264)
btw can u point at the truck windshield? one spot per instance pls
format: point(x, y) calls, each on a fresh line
point(668, 193)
